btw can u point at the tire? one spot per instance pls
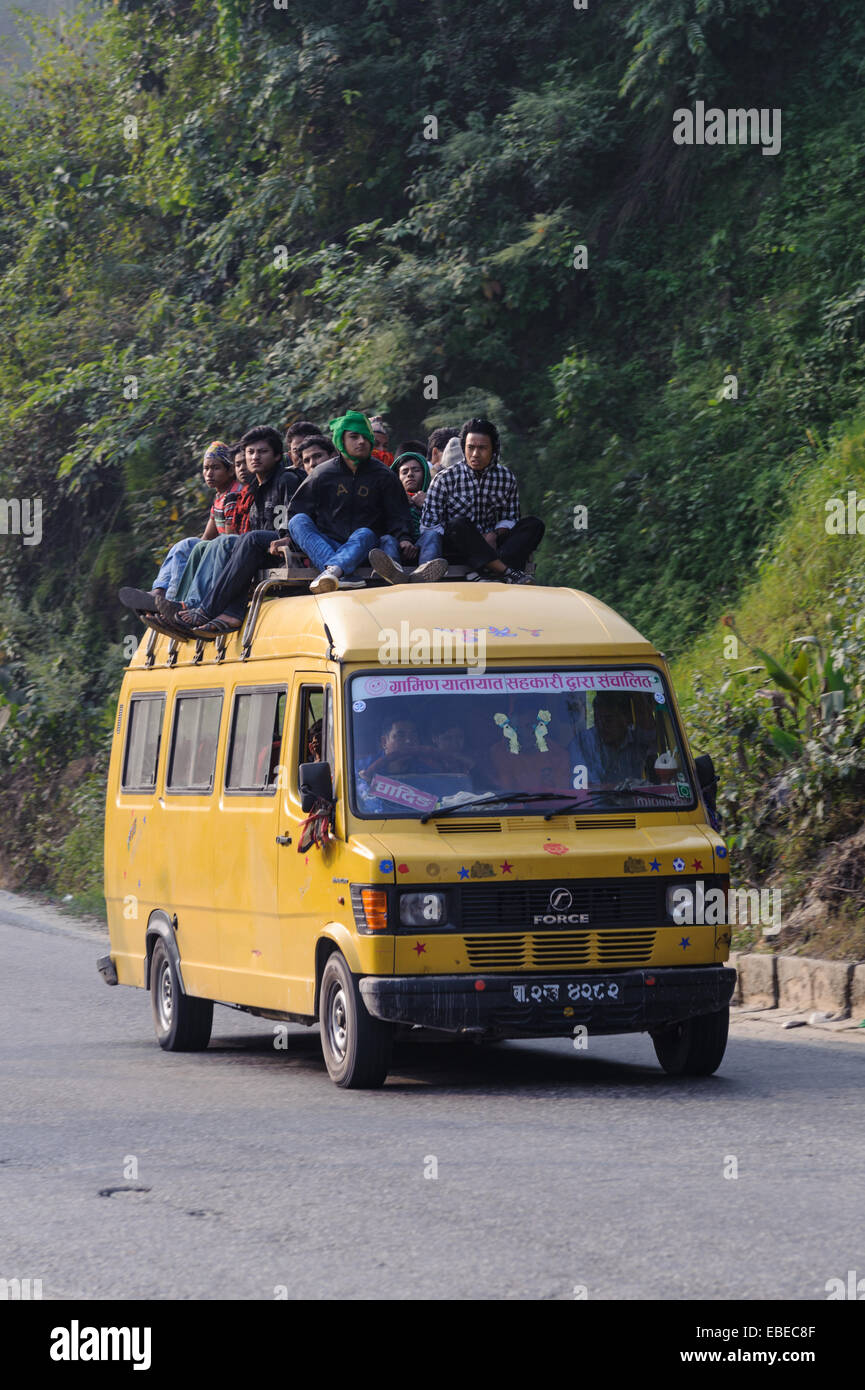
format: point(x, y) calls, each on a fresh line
point(356, 1046)
point(695, 1047)
point(182, 1023)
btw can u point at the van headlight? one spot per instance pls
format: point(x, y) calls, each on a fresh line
point(421, 909)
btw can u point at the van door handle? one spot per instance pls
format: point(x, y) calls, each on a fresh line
point(283, 839)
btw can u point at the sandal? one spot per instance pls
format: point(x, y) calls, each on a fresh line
point(151, 620)
point(139, 600)
point(216, 627)
point(190, 618)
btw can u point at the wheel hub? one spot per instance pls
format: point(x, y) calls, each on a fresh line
point(164, 995)
point(337, 1023)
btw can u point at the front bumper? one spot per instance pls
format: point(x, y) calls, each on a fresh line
point(644, 1000)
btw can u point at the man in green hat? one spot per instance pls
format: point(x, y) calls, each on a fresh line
point(338, 515)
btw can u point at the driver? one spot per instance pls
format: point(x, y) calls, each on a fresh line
point(401, 753)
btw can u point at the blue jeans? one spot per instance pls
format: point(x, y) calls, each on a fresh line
point(203, 567)
point(429, 545)
point(173, 566)
point(324, 550)
point(390, 546)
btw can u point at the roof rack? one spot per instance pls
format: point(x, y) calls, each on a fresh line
point(299, 577)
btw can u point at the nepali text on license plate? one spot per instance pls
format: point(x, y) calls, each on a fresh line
point(558, 993)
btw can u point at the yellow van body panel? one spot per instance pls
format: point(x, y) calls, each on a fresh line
point(251, 914)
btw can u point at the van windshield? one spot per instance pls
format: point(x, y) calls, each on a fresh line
point(597, 737)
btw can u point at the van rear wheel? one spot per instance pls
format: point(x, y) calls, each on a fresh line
point(695, 1047)
point(356, 1046)
point(182, 1022)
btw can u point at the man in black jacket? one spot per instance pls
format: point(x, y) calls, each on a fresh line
point(269, 493)
point(346, 505)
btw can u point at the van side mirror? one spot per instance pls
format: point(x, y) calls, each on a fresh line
point(707, 778)
point(315, 780)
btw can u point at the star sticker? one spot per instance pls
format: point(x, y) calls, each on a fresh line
point(698, 864)
point(420, 947)
point(678, 865)
point(506, 867)
point(685, 942)
point(464, 873)
point(654, 866)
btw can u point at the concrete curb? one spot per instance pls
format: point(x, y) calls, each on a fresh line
point(799, 983)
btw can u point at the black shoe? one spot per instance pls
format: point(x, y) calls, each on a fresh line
point(517, 577)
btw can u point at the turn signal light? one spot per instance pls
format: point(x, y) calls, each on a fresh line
point(374, 908)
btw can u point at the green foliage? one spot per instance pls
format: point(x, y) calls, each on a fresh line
point(214, 215)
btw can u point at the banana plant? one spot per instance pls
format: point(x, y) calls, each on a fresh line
point(812, 685)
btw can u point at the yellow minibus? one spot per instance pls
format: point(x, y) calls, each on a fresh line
point(491, 826)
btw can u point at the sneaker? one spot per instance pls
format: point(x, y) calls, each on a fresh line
point(430, 572)
point(326, 582)
point(516, 577)
point(473, 577)
point(386, 568)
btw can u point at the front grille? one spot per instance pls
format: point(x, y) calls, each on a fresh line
point(559, 950)
point(608, 902)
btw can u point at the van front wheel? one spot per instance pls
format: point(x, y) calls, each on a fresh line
point(695, 1047)
point(182, 1023)
point(356, 1046)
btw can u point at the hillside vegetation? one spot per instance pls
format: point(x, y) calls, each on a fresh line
point(219, 214)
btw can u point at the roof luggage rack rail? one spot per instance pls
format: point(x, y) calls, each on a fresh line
point(298, 578)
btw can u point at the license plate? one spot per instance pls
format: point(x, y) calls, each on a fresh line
point(555, 992)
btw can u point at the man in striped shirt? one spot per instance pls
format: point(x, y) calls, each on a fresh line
point(472, 513)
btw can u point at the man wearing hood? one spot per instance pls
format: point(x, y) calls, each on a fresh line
point(337, 516)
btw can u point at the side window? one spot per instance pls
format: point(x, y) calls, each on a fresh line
point(256, 741)
point(193, 744)
point(143, 737)
point(311, 748)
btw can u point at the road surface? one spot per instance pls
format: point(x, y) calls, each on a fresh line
point(244, 1173)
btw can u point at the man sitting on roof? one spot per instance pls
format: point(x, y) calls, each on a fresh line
point(345, 505)
point(472, 512)
point(272, 489)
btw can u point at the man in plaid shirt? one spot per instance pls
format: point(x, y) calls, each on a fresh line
point(472, 513)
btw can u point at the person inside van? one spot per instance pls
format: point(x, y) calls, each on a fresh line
point(313, 743)
point(345, 505)
point(449, 741)
point(401, 753)
point(610, 750)
point(218, 473)
point(271, 491)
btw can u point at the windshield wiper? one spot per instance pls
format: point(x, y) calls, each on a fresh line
point(485, 800)
point(613, 791)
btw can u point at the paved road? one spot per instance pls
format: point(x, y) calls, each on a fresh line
point(556, 1168)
